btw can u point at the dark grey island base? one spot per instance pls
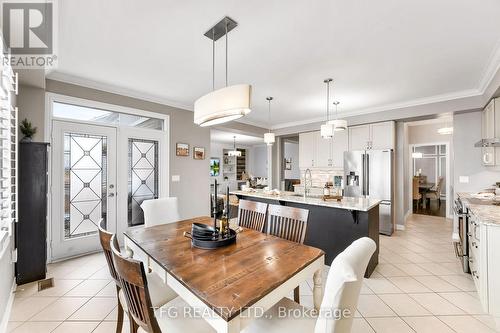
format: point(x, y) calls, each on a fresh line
point(334, 229)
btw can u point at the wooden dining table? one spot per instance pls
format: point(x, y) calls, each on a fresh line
point(229, 282)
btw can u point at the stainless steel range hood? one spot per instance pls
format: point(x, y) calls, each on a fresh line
point(494, 142)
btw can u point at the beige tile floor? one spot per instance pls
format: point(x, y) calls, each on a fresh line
point(417, 287)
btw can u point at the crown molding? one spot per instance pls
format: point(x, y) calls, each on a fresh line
point(106, 87)
point(388, 107)
point(492, 68)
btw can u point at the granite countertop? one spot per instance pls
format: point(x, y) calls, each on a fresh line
point(485, 213)
point(350, 203)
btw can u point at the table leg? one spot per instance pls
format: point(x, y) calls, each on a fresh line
point(232, 327)
point(318, 289)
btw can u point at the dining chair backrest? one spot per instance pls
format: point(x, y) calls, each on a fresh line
point(289, 223)
point(160, 211)
point(439, 186)
point(416, 192)
point(135, 288)
point(252, 214)
point(343, 286)
point(105, 238)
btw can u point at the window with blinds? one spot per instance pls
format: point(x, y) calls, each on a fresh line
point(8, 151)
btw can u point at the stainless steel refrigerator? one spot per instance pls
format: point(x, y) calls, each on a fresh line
point(369, 173)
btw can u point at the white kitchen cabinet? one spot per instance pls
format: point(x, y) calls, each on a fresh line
point(323, 151)
point(490, 119)
point(340, 144)
point(307, 150)
point(382, 135)
point(484, 256)
point(316, 152)
point(359, 137)
point(372, 136)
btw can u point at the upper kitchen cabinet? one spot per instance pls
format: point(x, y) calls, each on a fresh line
point(491, 129)
point(372, 136)
point(340, 144)
point(307, 150)
point(316, 152)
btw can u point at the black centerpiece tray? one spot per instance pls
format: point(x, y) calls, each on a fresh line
point(207, 242)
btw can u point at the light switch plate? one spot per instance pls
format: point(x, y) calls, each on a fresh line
point(176, 178)
point(463, 179)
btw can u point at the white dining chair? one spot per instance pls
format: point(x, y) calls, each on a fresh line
point(341, 295)
point(160, 211)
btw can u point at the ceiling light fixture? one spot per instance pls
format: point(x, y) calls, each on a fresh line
point(327, 129)
point(339, 124)
point(269, 138)
point(234, 152)
point(228, 103)
point(417, 155)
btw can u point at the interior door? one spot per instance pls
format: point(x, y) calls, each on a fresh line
point(83, 186)
point(142, 174)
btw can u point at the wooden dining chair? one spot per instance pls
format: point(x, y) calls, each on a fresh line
point(105, 238)
point(417, 196)
point(252, 214)
point(289, 223)
point(340, 300)
point(162, 293)
point(144, 315)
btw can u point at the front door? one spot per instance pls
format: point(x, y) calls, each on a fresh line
point(83, 186)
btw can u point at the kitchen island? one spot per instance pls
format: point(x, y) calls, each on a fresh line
point(332, 225)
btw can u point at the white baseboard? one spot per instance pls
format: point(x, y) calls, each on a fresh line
point(8, 308)
point(400, 227)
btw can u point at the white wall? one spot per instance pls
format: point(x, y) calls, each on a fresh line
point(292, 151)
point(467, 158)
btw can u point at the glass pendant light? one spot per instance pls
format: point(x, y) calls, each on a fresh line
point(339, 124)
point(269, 138)
point(234, 152)
point(327, 129)
point(228, 103)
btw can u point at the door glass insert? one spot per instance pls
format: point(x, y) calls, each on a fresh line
point(85, 170)
point(142, 177)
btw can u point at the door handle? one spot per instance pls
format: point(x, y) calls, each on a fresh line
point(111, 195)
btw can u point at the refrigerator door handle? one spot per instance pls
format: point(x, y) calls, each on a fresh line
point(367, 174)
point(363, 181)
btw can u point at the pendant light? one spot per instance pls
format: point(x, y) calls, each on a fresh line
point(269, 138)
point(234, 152)
point(228, 103)
point(327, 129)
point(339, 124)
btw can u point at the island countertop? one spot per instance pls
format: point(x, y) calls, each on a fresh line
point(348, 203)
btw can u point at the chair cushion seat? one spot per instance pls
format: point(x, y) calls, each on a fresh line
point(273, 321)
point(159, 292)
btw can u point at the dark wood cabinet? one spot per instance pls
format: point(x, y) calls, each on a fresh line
point(31, 230)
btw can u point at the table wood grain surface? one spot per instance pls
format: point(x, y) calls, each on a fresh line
point(227, 279)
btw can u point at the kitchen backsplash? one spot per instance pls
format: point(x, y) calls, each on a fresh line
point(321, 176)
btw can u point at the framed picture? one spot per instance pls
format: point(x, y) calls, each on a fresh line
point(214, 166)
point(199, 153)
point(182, 149)
point(288, 163)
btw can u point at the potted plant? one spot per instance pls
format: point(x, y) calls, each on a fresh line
point(28, 130)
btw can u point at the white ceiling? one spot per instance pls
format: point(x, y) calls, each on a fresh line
point(380, 53)
point(241, 139)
